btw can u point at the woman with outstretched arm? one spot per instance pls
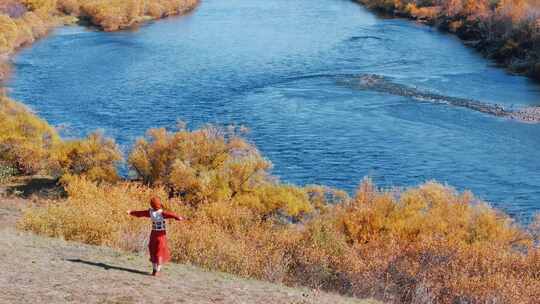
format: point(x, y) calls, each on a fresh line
point(159, 250)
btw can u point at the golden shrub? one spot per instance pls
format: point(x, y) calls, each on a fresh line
point(113, 15)
point(215, 165)
point(95, 157)
point(8, 34)
point(16, 32)
point(322, 197)
point(40, 5)
point(110, 15)
point(430, 211)
point(199, 165)
point(516, 10)
point(94, 214)
point(32, 146)
point(36, 24)
point(155, 10)
point(271, 199)
point(25, 139)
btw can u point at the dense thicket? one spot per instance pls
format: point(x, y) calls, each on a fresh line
point(214, 164)
point(424, 245)
point(29, 145)
point(26, 142)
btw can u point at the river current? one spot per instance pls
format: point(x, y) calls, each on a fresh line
point(281, 68)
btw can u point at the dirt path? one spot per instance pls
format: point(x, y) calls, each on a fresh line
point(37, 269)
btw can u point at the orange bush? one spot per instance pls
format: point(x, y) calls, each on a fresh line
point(94, 214)
point(25, 29)
point(32, 146)
point(95, 157)
point(25, 140)
point(198, 165)
point(427, 244)
point(215, 165)
point(112, 15)
point(424, 244)
point(70, 7)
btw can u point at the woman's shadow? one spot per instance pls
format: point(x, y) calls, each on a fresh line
point(107, 266)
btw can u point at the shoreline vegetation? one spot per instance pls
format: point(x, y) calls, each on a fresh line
point(506, 31)
point(425, 244)
point(24, 21)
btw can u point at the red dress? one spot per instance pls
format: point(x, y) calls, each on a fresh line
point(159, 250)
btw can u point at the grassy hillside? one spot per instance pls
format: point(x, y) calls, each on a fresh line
point(44, 270)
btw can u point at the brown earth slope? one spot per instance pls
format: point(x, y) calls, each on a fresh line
point(44, 270)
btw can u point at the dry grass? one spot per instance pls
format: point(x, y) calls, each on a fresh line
point(44, 270)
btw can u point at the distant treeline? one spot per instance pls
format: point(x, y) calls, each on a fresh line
point(112, 15)
point(507, 31)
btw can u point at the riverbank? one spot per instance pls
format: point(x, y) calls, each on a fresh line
point(22, 23)
point(507, 32)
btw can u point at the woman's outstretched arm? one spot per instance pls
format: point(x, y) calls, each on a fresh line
point(141, 213)
point(168, 214)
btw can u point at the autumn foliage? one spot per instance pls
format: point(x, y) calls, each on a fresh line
point(95, 157)
point(24, 21)
point(427, 244)
point(112, 15)
point(32, 146)
point(26, 141)
point(213, 164)
point(505, 30)
point(16, 32)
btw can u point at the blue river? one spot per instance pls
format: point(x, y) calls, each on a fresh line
point(279, 67)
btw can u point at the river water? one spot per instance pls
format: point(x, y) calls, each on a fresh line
point(279, 67)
